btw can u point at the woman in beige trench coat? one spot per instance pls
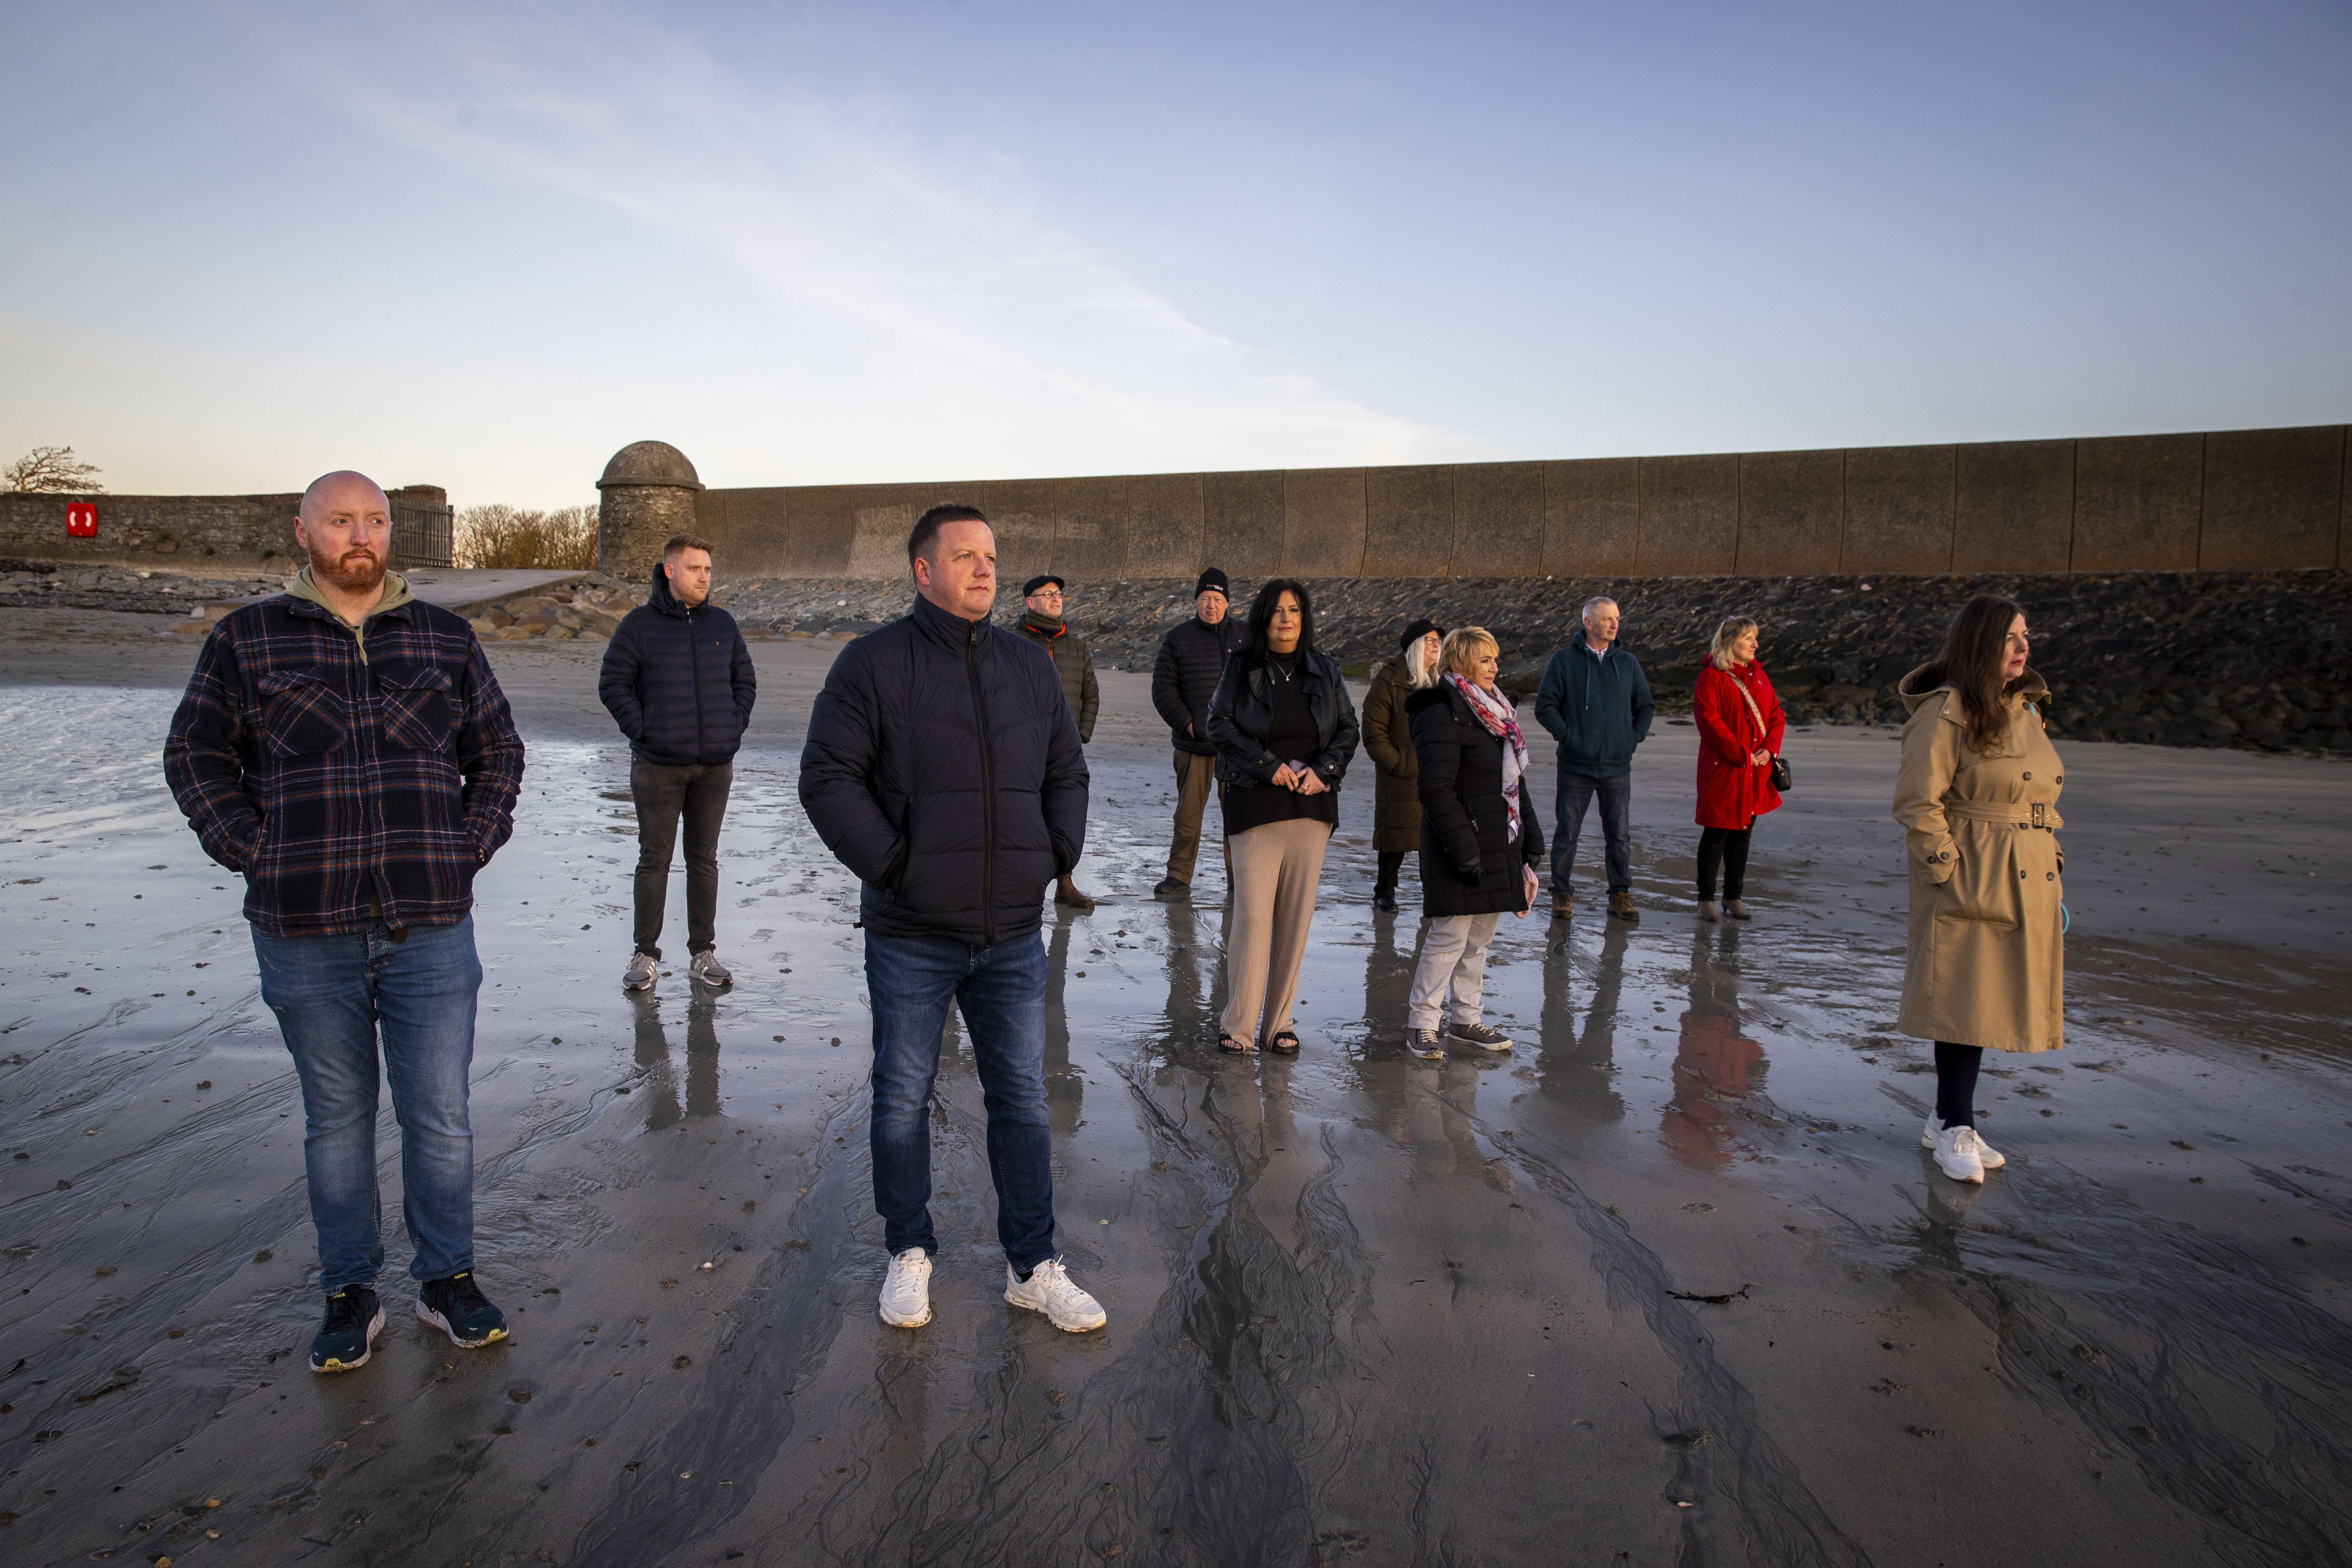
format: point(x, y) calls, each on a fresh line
point(1977, 797)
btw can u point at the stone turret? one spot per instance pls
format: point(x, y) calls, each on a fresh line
point(648, 493)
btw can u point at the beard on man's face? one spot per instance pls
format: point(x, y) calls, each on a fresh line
point(356, 571)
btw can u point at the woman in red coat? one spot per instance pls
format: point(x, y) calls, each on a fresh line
point(1739, 729)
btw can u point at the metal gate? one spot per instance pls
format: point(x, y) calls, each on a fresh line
point(422, 536)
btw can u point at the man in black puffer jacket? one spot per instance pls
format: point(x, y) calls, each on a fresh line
point(1183, 678)
point(942, 766)
point(678, 681)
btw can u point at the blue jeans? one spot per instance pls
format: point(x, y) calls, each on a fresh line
point(333, 994)
point(911, 980)
point(1574, 792)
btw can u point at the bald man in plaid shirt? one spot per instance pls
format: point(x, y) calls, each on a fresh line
point(345, 748)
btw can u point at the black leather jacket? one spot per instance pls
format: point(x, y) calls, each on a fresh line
point(1241, 712)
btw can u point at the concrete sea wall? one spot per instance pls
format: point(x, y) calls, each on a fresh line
point(183, 533)
point(2227, 501)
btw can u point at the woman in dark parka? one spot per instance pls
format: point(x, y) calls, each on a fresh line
point(1480, 843)
point(1387, 739)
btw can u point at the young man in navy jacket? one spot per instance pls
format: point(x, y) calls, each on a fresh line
point(678, 681)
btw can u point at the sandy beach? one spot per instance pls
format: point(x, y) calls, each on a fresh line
point(1671, 1281)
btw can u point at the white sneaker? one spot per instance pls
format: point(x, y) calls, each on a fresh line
point(1049, 1290)
point(707, 969)
point(641, 972)
point(1959, 1155)
point(1991, 1158)
point(906, 1290)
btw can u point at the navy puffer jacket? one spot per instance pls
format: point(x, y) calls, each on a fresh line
point(942, 766)
point(678, 681)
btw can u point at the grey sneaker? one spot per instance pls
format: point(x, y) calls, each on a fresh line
point(707, 970)
point(1480, 1035)
point(1424, 1043)
point(643, 968)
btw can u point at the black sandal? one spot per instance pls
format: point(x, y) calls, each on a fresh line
point(1279, 1048)
point(1234, 1048)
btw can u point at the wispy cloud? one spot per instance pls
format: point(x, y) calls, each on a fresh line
point(930, 253)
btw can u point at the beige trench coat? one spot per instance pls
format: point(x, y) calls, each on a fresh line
point(1987, 964)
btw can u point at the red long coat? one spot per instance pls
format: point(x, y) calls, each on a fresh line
point(1732, 791)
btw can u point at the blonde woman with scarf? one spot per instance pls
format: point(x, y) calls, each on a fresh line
point(1480, 843)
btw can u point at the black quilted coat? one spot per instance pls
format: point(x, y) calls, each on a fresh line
point(678, 681)
point(942, 767)
point(1463, 821)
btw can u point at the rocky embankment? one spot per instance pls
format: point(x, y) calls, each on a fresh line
point(67, 585)
point(2262, 660)
point(2256, 659)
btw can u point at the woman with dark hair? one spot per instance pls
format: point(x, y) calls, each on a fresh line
point(1285, 729)
point(1739, 730)
point(1479, 842)
point(1388, 736)
point(1978, 796)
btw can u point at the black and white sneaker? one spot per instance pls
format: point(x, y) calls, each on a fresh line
point(458, 1308)
point(1424, 1044)
point(346, 1336)
point(1478, 1035)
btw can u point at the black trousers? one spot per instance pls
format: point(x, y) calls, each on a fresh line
point(1956, 1082)
point(664, 794)
point(1724, 849)
point(1392, 863)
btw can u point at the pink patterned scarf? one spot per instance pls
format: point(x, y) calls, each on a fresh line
point(1502, 721)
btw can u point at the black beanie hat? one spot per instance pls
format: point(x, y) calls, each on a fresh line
point(1212, 578)
point(1035, 583)
point(1416, 631)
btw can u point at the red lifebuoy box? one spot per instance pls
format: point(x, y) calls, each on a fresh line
point(81, 520)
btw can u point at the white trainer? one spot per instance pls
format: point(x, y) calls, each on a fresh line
point(906, 1290)
point(1991, 1158)
point(1959, 1155)
point(1050, 1290)
point(643, 968)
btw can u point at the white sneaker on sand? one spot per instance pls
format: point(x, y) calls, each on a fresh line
point(1991, 1158)
point(643, 968)
point(1957, 1154)
point(708, 970)
point(906, 1290)
point(1049, 1290)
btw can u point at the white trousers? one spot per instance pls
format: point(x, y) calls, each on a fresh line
point(1453, 969)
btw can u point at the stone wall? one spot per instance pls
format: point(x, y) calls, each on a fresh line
point(188, 533)
point(2231, 500)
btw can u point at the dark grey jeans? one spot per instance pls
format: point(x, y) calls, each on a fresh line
point(1572, 794)
point(663, 794)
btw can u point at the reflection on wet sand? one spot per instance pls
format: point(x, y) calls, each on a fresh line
point(1364, 1308)
point(1715, 1065)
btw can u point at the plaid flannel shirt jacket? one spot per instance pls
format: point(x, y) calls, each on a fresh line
point(339, 785)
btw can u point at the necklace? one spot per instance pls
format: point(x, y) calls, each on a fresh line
point(1284, 672)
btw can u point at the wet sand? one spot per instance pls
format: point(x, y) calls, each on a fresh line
point(1363, 1308)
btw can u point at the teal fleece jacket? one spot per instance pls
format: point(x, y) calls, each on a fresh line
point(1598, 709)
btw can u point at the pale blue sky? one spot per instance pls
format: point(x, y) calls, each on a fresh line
point(485, 245)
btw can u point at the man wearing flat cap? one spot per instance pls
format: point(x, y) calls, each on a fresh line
point(1183, 678)
point(1042, 624)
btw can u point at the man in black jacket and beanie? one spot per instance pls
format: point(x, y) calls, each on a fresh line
point(678, 681)
point(943, 768)
point(1183, 678)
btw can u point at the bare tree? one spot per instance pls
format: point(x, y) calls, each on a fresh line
point(51, 470)
point(498, 534)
